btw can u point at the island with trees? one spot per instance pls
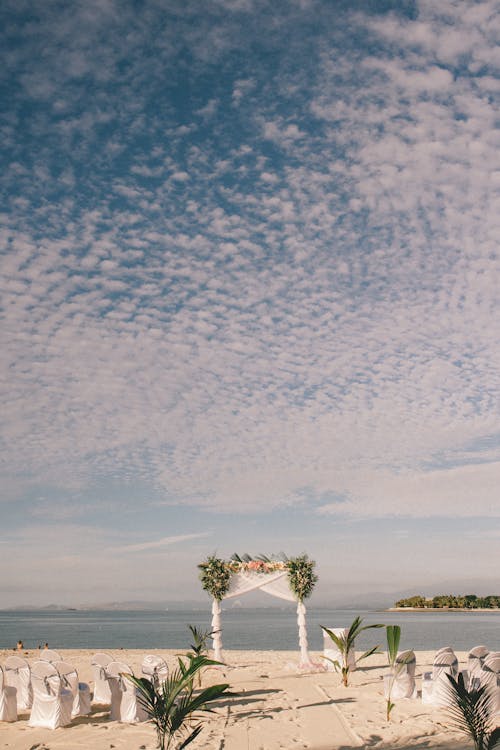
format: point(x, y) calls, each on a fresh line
point(450, 601)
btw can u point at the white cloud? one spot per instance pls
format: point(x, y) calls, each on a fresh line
point(164, 542)
point(464, 491)
point(300, 294)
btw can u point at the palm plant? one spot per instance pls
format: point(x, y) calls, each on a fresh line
point(471, 712)
point(199, 647)
point(393, 634)
point(173, 707)
point(345, 644)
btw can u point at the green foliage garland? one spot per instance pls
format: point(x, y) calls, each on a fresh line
point(215, 577)
point(301, 576)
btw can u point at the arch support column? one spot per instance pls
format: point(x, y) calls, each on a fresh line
point(216, 631)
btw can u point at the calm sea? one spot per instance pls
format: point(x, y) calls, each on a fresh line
point(260, 629)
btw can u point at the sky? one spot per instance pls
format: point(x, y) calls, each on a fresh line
point(249, 294)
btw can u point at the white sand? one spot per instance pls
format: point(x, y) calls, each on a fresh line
point(275, 709)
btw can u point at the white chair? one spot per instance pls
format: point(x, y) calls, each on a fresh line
point(125, 705)
point(155, 669)
point(79, 690)
point(444, 650)
point(8, 700)
point(102, 692)
point(18, 675)
point(490, 677)
point(409, 660)
point(52, 704)
point(331, 651)
point(402, 682)
point(48, 654)
point(445, 663)
point(475, 660)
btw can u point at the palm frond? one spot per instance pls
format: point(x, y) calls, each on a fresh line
point(393, 633)
point(374, 650)
point(338, 640)
point(471, 712)
point(494, 740)
point(194, 734)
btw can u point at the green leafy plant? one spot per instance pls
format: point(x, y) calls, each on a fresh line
point(471, 712)
point(199, 647)
point(393, 634)
point(215, 577)
point(200, 637)
point(301, 576)
point(345, 644)
point(173, 707)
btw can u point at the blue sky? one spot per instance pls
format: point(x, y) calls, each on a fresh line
point(250, 293)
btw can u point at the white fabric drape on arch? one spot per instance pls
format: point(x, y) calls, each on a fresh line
point(275, 584)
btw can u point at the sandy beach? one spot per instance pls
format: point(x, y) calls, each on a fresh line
point(276, 708)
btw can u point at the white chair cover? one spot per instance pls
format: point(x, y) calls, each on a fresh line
point(402, 683)
point(409, 660)
point(475, 661)
point(52, 704)
point(79, 690)
point(155, 669)
point(102, 692)
point(8, 700)
point(48, 654)
point(18, 675)
point(331, 651)
point(490, 676)
point(445, 662)
point(444, 650)
point(125, 705)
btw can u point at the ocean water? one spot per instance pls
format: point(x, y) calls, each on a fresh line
point(260, 628)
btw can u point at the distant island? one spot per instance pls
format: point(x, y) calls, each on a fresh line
point(450, 601)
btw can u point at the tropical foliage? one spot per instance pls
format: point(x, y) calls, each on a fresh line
point(301, 576)
point(471, 712)
point(199, 646)
point(199, 637)
point(215, 577)
point(393, 635)
point(345, 644)
point(451, 601)
point(173, 706)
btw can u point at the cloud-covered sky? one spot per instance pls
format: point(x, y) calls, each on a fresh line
point(250, 290)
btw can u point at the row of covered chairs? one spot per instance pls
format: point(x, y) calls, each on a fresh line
point(51, 689)
point(483, 670)
point(110, 687)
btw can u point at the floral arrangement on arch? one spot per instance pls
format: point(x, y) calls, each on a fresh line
point(216, 573)
point(259, 564)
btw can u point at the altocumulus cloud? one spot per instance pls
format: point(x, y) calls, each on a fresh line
point(251, 250)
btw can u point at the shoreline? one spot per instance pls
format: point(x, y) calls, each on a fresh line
point(274, 707)
point(441, 609)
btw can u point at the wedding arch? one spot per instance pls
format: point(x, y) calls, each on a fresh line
point(292, 579)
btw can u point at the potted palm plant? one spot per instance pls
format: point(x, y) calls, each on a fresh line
point(345, 644)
